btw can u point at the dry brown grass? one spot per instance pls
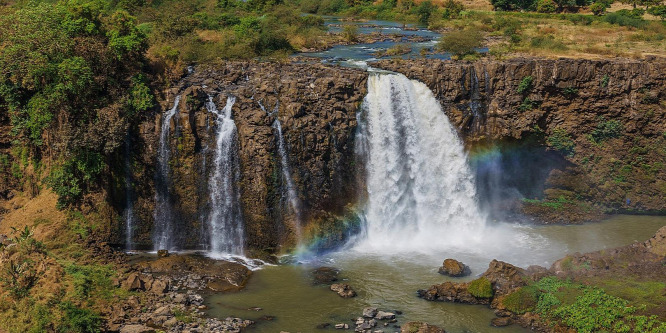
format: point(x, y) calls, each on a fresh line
point(39, 213)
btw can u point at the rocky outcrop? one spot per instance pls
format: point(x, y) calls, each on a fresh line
point(454, 268)
point(502, 277)
point(316, 106)
point(599, 125)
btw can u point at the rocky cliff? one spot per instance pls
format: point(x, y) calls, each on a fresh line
point(602, 124)
point(559, 140)
point(316, 106)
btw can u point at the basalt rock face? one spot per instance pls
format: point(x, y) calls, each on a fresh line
point(595, 129)
point(316, 106)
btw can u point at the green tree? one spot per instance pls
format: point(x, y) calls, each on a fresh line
point(424, 11)
point(66, 70)
point(659, 11)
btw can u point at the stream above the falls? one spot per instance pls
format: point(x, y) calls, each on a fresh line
point(293, 303)
point(388, 35)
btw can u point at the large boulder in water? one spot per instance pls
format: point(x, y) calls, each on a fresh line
point(454, 268)
point(343, 290)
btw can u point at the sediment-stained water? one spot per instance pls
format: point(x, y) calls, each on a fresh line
point(287, 293)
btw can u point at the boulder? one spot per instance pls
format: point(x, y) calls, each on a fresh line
point(657, 244)
point(344, 290)
point(454, 268)
point(134, 283)
point(370, 312)
point(384, 315)
point(420, 327)
point(163, 253)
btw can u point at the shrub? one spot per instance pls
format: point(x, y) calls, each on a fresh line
point(350, 33)
point(525, 85)
point(604, 81)
point(481, 288)
point(606, 130)
point(452, 9)
point(547, 42)
point(659, 11)
point(461, 42)
point(561, 141)
point(598, 8)
point(546, 6)
point(79, 320)
point(625, 19)
point(522, 300)
point(424, 11)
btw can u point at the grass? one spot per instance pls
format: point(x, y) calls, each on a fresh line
point(481, 288)
point(570, 35)
point(589, 309)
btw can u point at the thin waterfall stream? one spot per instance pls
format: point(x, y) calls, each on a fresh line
point(129, 197)
point(292, 194)
point(226, 221)
point(163, 214)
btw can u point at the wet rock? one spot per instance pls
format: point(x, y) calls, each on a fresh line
point(163, 253)
point(159, 286)
point(501, 321)
point(324, 325)
point(133, 283)
point(454, 268)
point(325, 275)
point(384, 315)
point(343, 290)
point(451, 292)
point(370, 312)
point(505, 277)
point(420, 327)
point(342, 326)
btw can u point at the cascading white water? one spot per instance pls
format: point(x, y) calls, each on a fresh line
point(421, 192)
point(163, 228)
point(225, 221)
point(129, 194)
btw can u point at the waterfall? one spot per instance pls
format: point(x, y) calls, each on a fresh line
point(292, 195)
point(163, 228)
point(421, 191)
point(225, 221)
point(129, 197)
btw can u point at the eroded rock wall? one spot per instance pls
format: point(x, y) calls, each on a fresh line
point(316, 106)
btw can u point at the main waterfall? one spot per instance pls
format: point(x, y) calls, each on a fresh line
point(225, 222)
point(421, 192)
